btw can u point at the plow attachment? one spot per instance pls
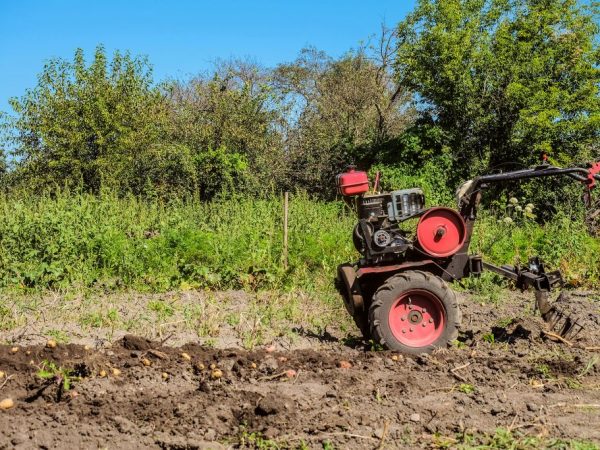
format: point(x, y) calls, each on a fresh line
point(534, 276)
point(559, 322)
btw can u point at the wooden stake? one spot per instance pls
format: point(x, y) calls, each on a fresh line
point(285, 230)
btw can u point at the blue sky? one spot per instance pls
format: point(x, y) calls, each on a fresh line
point(181, 38)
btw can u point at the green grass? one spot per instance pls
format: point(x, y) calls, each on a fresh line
point(505, 439)
point(85, 241)
point(69, 241)
point(562, 243)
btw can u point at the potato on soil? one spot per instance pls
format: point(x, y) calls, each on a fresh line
point(14, 349)
point(7, 403)
point(102, 373)
point(51, 343)
point(344, 364)
point(216, 374)
point(186, 356)
point(146, 362)
point(116, 372)
point(2, 374)
point(291, 373)
point(165, 376)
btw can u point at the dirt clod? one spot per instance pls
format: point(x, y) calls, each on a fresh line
point(131, 342)
point(415, 417)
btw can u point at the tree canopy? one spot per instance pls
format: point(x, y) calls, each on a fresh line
point(502, 81)
point(458, 88)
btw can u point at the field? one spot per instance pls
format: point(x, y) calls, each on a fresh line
point(275, 381)
point(128, 323)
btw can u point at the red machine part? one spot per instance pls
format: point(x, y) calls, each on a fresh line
point(417, 318)
point(595, 169)
point(352, 182)
point(441, 232)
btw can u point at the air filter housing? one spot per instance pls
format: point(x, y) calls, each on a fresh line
point(405, 203)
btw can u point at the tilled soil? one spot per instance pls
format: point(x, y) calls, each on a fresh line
point(139, 394)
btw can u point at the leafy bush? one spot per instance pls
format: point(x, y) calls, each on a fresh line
point(83, 240)
point(70, 241)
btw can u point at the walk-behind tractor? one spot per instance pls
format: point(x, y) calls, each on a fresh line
point(397, 291)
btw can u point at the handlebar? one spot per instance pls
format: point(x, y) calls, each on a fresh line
point(588, 177)
point(580, 174)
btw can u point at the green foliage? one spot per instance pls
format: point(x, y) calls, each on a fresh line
point(107, 125)
point(221, 171)
point(466, 388)
point(501, 81)
point(84, 240)
point(340, 111)
point(562, 242)
point(231, 122)
point(255, 440)
point(86, 126)
point(430, 176)
point(108, 242)
point(503, 438)
point(63, 377)
point(489, 338)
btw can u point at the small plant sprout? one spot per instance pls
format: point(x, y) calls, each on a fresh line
point(63, 377)
point(489, 337)
point(466, 388)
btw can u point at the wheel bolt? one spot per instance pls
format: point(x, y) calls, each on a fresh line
point(403, 318)
point(424, 324)
point(409, 306)
point(423, 310)
point(430, 320)
point(404, 331)
point(412, 329)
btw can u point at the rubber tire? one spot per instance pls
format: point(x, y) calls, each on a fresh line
point(388, 293)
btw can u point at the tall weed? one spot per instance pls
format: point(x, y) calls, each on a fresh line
point(80, 241)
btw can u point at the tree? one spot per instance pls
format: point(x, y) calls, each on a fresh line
point(501, 81)
point(341, 110)
point(86, 126)
point(230, 120)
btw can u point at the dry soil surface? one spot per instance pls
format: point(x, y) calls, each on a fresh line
point(138, 393)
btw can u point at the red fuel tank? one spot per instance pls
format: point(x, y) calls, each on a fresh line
point(352, 182)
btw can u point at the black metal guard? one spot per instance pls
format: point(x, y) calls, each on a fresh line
point(532, 276)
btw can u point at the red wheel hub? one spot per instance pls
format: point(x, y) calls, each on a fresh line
point(441, 232)
point(417, 318)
